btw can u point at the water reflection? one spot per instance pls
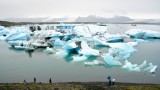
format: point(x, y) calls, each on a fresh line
point(29, 53)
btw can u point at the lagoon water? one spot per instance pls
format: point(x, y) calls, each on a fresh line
point(17, 65)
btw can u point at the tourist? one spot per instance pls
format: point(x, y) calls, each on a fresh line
point(24, 81)
point(34, 80)
point(113, 81)
point(109, 78)
point(50, 81)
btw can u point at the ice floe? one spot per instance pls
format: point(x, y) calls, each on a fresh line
point(143, 34)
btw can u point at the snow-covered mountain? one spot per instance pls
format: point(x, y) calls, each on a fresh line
point(93, 18)
point(90, 18)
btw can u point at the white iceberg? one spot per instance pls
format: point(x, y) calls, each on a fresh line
point(143, 34)
point(79, 58)
point(143, 65)
point(17, 35)
point(61, 53)
point(99, 42)
point(59, 42)
point(2, 38)
point(49, 50)
point(113, 37)
point(47, 33)
point(71, 47)
point(141, 41)
point(93, 63)
point(131, 67)
point(88, 51)
point(121, 51)
point(110, 60)
point(151, 68)
point(3, 31)
point(89, 30)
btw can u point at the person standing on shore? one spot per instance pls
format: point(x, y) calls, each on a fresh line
point(50, 81)
point(110, 82)
point(34, 80)
point(113, 81)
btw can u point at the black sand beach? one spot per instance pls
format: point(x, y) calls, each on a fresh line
point(78, 86)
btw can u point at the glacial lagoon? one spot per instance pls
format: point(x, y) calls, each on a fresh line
point(18, 65)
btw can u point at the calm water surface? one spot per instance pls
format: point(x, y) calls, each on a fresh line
point(17, 65)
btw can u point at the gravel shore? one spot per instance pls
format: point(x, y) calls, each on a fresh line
point(78, 86)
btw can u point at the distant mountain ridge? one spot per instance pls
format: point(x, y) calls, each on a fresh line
point(88, 19)
point(92, 18)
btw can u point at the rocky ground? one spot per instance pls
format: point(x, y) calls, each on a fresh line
point(78, 86)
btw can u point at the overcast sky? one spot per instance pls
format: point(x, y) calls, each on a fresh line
point(73, 8)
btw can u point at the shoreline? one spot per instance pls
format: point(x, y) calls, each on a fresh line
point(78, 86)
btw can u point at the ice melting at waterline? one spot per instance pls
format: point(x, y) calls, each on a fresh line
point(79, 40)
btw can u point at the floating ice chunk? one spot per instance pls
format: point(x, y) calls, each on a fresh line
point(39, 43)
point(88, 51)
point(16, 35)
point(2, 38)
point(131, 67)
point(59, 42)
point(71, 47)
point(140, 41)
point(18, 43)
point(49, 50)
point(143, 65)
point(61, 53)
point(79, 58)
point(3, 31)
point(121, 51)
point(110, 60)
point(143, 34)
point(98, 41)
point(132, 43)
point(151, 68)
point(113, 37)
point(89, 30)
point(82, 31)
point(122, 44)
point(47, 33)
point(95, 62)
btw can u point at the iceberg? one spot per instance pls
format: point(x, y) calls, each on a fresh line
point(131, 67)
point(151, 68)
point(59, 42)
point(47, 33)
point(89, 30)
point(21, 45)
point(110, 60)
point(143, 65)
point(2, 38)
point(39, 44)
point(3, 31)
point(71, 47)
point(18, 43)
point(61, 53)
point(88, 51)
point(140, 41)
point(17, 35)
point(79, 58)
point(49, 50)
point(121, 51)
point(113, 37)
point(99, 42)
point(143, 34)
point(93, 63)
